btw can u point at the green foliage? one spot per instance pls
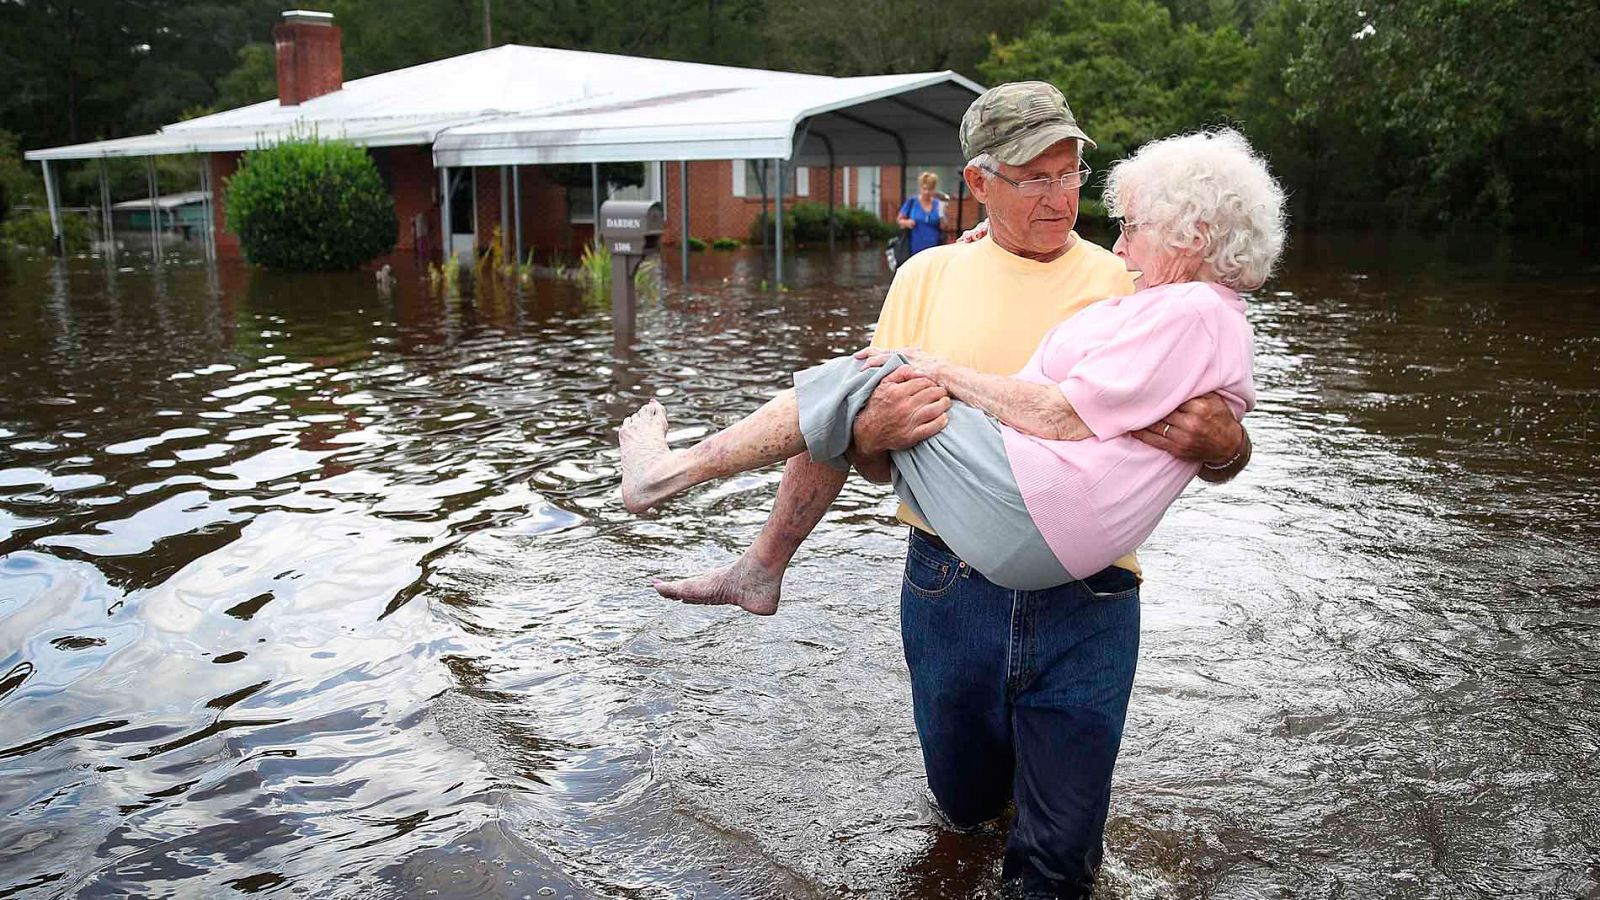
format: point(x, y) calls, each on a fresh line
point(875, 37)
point(806, 222)
point(1461, 128)
point(696, 244)
point(310, 205)
point(253, 79)
point(18, 185)
point(31, 231)
point(594, 273)
point(726, 243)
point(1369, 111)
point(127, 177)
point(1130, 73)
point(855, 222)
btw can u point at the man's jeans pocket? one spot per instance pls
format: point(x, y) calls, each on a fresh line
point(930, 573)
point(1112, 583)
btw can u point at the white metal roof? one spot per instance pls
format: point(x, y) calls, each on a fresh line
point(515, 104)
point(165, 201)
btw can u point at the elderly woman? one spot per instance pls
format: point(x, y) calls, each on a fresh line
point(1037, 479)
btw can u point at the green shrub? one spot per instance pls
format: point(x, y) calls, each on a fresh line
point(31, 230)
point(310, 205)
point(726, 243)
point(806, 222)
point(696, 244)
point(853, 221)
point(1090, 208)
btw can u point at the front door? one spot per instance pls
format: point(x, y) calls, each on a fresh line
point(464, 213)
point(869, 189)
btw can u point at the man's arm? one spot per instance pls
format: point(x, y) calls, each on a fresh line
point(1203, 430)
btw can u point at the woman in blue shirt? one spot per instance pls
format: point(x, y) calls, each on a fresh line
point(924, 214)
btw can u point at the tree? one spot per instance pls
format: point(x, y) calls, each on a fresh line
point(1467, 129)
point(1129, 72)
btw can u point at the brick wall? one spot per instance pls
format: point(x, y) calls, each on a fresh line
point(547, 229)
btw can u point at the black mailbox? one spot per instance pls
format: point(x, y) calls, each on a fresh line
point(631, 227)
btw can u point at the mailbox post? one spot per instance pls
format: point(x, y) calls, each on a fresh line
point(631, 230)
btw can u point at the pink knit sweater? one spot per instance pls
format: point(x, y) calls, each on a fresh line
point(1124, 364)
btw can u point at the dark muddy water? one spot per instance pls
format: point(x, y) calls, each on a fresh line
point(306, 590)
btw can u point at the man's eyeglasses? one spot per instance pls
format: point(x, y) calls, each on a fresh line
point(1038, 187)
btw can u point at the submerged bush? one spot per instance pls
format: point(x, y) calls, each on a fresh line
point(726, 243)
point(31, 230)
point(806, 222)
point(310, 205)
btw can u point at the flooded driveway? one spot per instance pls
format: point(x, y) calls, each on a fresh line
point(309, 590)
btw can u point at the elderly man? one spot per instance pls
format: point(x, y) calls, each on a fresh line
point(1017, 695)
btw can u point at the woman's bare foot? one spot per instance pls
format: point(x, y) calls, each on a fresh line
point(646, 459)
point(744, 584)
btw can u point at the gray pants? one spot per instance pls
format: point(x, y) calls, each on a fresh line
point(959, 481)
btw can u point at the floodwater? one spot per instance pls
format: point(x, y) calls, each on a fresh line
point(306, 590)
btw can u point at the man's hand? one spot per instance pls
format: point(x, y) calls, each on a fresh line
point(1201, 430)
point(905, 410)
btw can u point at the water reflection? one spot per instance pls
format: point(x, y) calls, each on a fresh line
point(309, 585)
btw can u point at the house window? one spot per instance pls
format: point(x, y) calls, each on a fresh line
point(749, 173)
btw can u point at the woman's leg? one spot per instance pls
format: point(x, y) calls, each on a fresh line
point(754, 581)
point(653, 472)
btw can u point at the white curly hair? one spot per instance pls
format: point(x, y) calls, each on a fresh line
point(1210, 191)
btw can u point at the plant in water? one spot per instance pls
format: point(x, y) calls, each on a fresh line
point(726, 243)
point(647, 280)
point(446, 278)
point(560, 264)
point(491, 267)
point(594, 271)
point(310, 204)
point(696, 244)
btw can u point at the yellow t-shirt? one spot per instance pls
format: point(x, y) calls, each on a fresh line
point(979, 306)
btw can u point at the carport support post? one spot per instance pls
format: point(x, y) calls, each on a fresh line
point(779, 195)
point(155, 208)
point(516, 212)
point(444, 215)
point(505, 209)
point(105, 212)
point(683, 214)
point(594, 176)
point(57, 243)
point(831, 171)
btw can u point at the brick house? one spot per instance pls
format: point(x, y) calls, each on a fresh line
point(488, 128)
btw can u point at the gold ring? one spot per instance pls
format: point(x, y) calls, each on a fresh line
point(1166, 429)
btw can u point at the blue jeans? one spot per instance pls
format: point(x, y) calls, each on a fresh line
point(1021, 695)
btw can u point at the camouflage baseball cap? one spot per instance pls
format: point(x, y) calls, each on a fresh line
point(1017, 121)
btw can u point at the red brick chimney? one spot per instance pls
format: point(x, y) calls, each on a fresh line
point(310, 56)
